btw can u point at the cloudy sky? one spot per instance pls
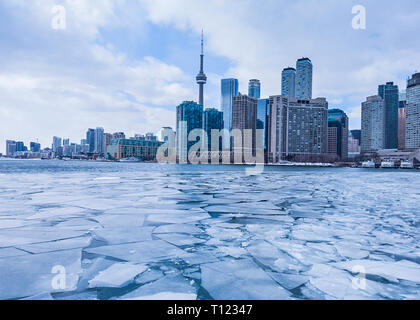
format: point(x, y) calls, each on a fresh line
point(125, 64)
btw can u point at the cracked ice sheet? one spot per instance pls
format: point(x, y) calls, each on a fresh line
point(180, 239)
point(391, 270)
point(26, 235)
point(117, 276)
point(240, 280)
point(338, 284)
point(140, 252)
point(31, 275)
point(181, 217)
point(124, 235)
point(73, 243)
point(171, 287)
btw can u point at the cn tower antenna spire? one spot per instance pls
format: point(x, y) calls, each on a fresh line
point(201, 77)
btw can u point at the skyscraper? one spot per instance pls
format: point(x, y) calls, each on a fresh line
point(201, 77)
point(373, 124)
point(402, 114)
point(254, 88)
point(90, 137)
point(35, 147)
point(390, 94)
point(99, 141)
point(412, 136)
point(56, 144)
point(263, 108)
point(338, 133)
point(288, 82)
point(304, 71)
point(10, 148)
point(189, 116)
point(212, 120)
point(244, 117)
point(298, 128)
point(230, 89)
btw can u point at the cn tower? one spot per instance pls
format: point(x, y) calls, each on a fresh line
point(201, 77)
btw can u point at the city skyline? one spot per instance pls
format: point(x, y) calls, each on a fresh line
point(50, 89)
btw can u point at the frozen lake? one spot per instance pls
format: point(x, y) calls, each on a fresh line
point(80, 230)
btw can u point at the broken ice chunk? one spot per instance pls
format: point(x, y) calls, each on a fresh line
point(171, 287)
point(117, 276)
point(240, 280)
point(30, 275)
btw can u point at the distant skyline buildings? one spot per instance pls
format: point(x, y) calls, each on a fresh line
point(390, 94)
point(212, 120)
point(298, 128)
point(412, 139)
point(254, 88)
point(304, 74)
point(288, 82)
point(373, 124)
point(99, 141)
point(189, 116)
point(338, 133)
point(244, 118)
point(229, 89)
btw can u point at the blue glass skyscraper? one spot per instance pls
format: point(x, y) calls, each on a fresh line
point(212, 120)
point(390, 93)
point(263, 108)
point(254, 88)
point(230, 89)
point(304, 71)
point(189, 116)
point(288, 82)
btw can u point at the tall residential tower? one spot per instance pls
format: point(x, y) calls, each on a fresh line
point(288, 82)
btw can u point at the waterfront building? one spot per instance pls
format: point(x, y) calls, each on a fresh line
point(412, 138)
point(20, 147)
point(357, 134)
point(353, 144)
point(373, 125)
point(254, 88)
point(99, 141)
point(288, 82)
point(298, 129)
point(230, 89)
point(304, 70)
point(402, 114)
point(90, 137)
point(118, 135)
point(212, 120)
point(137, 148)
point(338, 133)
point(56, 145)
point(165, 133)
point(107, 139)
point(189, 116)
point(201, 77)
point(10, 148)
point(244, 118)
point(151, 137)
point(390, 94)
point(263, 110)
point(35, 147)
